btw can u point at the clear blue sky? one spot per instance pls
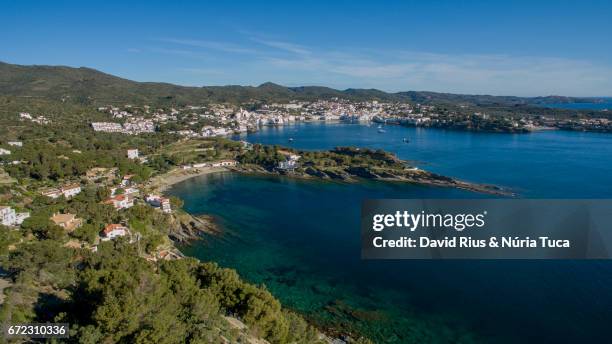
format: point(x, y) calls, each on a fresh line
point(486, 47)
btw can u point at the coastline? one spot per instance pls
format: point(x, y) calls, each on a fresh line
point(420, 177)
point(163, 182)
point(189, 227)
point(186, 227)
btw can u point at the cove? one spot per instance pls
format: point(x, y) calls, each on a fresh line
point(301, 239)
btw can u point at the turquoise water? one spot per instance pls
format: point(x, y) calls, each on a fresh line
point(301, 239)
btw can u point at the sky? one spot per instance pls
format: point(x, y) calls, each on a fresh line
point(523, 48)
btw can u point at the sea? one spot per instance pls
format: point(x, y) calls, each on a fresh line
point(604, 105)
point(301, 238)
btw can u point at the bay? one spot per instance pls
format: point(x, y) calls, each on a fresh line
point(301, 238)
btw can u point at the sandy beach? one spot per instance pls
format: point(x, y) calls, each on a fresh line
point(162, 182)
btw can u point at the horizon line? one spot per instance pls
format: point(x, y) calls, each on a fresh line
point(301, 85)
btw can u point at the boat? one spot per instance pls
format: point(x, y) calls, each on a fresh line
point(291, 139)
point(379, 126)
point(381, 131)
point(405, 139)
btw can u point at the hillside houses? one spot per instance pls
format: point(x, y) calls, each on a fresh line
point(33, 118)
point(67, 221)
point(51, 192)
point(210, 131)
point(139, 127)
point(120, 201)
point(159, 202)
point(9, 217)
point(133, 154)
point(131, 128)
point(71, 190)
point(114, 230)
point(68, 191)
point(107, 127)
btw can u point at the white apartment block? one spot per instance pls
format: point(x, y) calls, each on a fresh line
point(132, 154)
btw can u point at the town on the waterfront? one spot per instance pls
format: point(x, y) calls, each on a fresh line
point(201, 172)
point(226, 119)
point(91, 180)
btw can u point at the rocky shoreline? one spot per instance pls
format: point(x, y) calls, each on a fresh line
point(186, 227)
point(354, 174)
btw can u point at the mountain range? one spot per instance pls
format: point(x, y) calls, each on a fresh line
point(89, 86)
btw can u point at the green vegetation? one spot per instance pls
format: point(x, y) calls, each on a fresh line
point(129, 299)
point(133, 301)
point(265, 156)
point(339, 163)
point(124, 292)
point(85, 86)
point(203, 150)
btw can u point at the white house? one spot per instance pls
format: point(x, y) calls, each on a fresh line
point(9, 217)
point(71, 190)
point(113, 231)
point(165, 205)
point(4, 151)
point(224, 163)
point(290, 163)
point(159, 202)
point(51, 192)
point(120, 201)
point(15, 143)
point(132, 154)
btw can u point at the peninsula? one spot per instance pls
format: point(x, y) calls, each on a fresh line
point(348, 164)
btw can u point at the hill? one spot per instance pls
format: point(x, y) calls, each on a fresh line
point(89, 86)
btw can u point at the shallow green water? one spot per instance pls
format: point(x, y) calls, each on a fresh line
point(284, 234)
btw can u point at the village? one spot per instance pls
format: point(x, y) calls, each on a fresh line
point(225, 119)
point(193, 123)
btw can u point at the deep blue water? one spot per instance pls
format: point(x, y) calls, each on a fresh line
point(553, 164)
point(302, 239)
point(582, 106)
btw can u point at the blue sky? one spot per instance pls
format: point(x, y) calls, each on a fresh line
point(522, 48)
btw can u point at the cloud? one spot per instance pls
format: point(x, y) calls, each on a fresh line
point(212, 45)
point(262, 58)
point(461, 73)
point(285, 46)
